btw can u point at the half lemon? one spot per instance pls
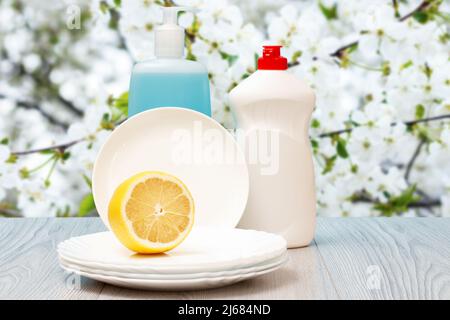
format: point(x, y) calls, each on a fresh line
point(151, 212)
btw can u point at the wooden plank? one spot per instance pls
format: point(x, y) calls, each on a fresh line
point(410, 257)
point(28, 261)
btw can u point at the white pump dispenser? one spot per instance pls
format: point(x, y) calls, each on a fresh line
point(169, 36)
point(169, 79)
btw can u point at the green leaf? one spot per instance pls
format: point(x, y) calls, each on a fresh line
point(65, 156)
point(421, 17)
point(4, 141)
point(427, 70)
point(117, 3)
point(256, 57)
point(341, 148)
point(87, 205)
point(24, 173)
point(104, 7)
point(63, 213)
point(54, 38)
point(113, 19)
point(406, 65)
point(106, 117)
point(315, 123)
point(296, 56)
point(444, 37)
point(396, 12)
point(49, 151)
point(88, 181)
point(330, 13)
point(12, 159)
point(385, 68)
point(230, 58)
point(352, 48)
point(122, 102)
point(329, 164)
point(423, 133)
point(398, 204)
point(420, 111)
point(191, 56)
point(119, 107)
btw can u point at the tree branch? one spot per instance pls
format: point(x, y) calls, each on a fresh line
point(32, 106)
point(122, 41)
point(429, 119)
point(413, 159)
point(340, 51)
point(66, 103)
point(407, 123)
point(70, 106)
point(64, 146)
point(124, 45)
point(9, 213)
point(44, 82)
point(61, 147)
point(426, 203)
point(423, 6)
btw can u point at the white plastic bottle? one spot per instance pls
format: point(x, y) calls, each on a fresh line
point(273, 110)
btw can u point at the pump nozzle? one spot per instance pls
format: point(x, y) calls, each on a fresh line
point(169, 36)
point(170, 14)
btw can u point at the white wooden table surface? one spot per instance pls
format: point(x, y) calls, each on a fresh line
point(351, 258)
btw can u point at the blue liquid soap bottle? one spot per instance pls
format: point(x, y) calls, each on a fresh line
point(169, 80)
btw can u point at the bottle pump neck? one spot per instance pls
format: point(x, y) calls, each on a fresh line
point(169, 36)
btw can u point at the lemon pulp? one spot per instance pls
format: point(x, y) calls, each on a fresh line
point(151, 212)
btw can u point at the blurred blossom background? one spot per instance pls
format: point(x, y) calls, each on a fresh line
point(380, 131)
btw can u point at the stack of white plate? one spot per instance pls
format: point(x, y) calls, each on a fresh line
point(214, 253)
point(208, 258)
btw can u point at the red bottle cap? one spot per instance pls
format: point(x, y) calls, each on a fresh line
point(272, 59)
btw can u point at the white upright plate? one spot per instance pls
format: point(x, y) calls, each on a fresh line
point(206, 249)
point(185, 143)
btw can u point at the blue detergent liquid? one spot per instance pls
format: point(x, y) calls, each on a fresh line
point(153, 90)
